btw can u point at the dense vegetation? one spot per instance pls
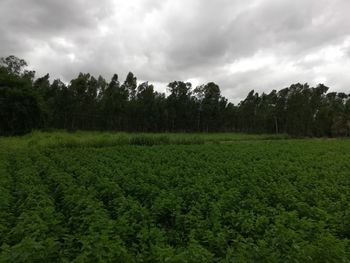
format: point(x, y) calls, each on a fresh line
point(90, 197)
point(89, 103)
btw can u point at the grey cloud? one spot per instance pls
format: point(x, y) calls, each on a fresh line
point(50, 16)
point(164, 40)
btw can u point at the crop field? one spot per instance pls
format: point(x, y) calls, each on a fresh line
point(104, 197)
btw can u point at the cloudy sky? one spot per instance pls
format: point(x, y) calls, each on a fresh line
point(241, 45)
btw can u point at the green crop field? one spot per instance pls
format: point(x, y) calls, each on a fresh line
point(104, 197)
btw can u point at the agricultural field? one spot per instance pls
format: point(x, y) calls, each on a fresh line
point(104, 197)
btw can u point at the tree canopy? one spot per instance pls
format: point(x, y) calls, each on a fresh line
point(89, 103)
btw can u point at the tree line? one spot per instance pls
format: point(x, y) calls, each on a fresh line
point(89, 103)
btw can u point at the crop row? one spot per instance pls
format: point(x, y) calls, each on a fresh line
point(248, 201)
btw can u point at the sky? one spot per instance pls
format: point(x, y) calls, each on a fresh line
point(240, 45)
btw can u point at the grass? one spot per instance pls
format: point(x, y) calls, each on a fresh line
point(106, 139)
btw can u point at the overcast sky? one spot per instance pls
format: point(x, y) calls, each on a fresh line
point(240, 45)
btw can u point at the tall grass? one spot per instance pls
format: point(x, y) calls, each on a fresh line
point(106, 139)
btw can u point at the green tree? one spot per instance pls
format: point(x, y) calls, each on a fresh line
point(20, 107)
point(180, 106)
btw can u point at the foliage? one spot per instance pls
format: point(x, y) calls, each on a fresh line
point(89, 103)
point(251, 200)
point(21, 108)
point(107, 139)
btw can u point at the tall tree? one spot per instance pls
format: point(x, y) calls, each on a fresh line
point(181, 106)
point(20, 107)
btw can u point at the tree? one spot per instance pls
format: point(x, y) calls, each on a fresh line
point(247, 110)
point(20, 107)
point(90, 103)
point(211, 107)
point(13, 65)
point(146, 108)
point(180, 106)
point(130, 84)
point(114, 104)
point(61, 105)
